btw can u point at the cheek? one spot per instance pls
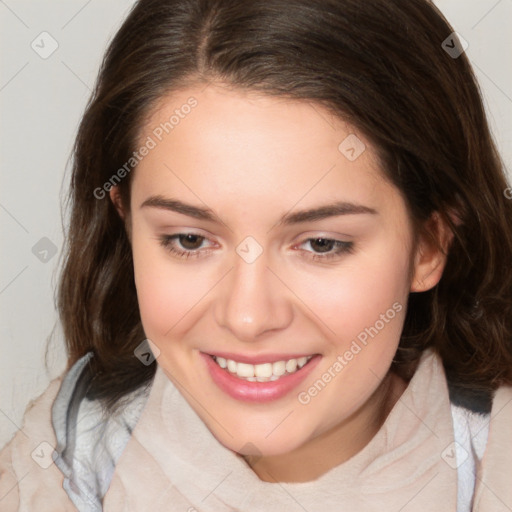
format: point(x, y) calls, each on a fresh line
point(364, 311)
point(352, 298)
point(165, 291)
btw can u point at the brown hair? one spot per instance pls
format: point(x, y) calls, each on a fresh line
point(380, 65)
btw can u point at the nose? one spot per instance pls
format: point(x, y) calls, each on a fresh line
point(253, 300)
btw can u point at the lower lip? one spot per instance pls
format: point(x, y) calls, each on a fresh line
point(258, 392)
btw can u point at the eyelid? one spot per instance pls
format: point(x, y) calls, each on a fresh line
point(340, 248)
point(312, 234)
point(177, 234)
point(166, 241)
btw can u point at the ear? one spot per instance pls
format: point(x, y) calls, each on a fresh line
point(430, 257)
point(115, 197)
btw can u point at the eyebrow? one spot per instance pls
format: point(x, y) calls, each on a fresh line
point(309, 215)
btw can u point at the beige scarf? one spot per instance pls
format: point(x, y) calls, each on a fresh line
point(173, 462)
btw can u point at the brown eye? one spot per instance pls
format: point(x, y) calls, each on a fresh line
point(322, 244)
point(189, 241)
point(184, 245)
point(324, 249)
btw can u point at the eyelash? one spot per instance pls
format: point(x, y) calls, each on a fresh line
point(342, 247)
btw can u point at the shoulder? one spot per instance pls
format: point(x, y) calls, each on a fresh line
point(29, 479)
point(493, 489)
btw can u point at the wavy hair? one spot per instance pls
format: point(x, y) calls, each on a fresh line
point(381, 65)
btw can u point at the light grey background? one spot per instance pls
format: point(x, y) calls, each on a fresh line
point(41, 101)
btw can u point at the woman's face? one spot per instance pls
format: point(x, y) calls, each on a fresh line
point(297, 247)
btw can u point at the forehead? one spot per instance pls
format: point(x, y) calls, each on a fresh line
point(216, 142)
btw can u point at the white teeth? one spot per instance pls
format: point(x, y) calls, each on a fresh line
point(291, 365)
point(301, 361)
point(261, 370)
point(245, 370)
point(279, 368)
point(264, 372)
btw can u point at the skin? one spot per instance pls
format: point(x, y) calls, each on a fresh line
point(251, 159)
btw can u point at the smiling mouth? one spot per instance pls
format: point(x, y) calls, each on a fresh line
point(264, 372)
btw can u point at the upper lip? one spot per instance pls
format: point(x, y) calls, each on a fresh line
point(258, 359)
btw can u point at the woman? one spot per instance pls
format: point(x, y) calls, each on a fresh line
point(284, 285)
